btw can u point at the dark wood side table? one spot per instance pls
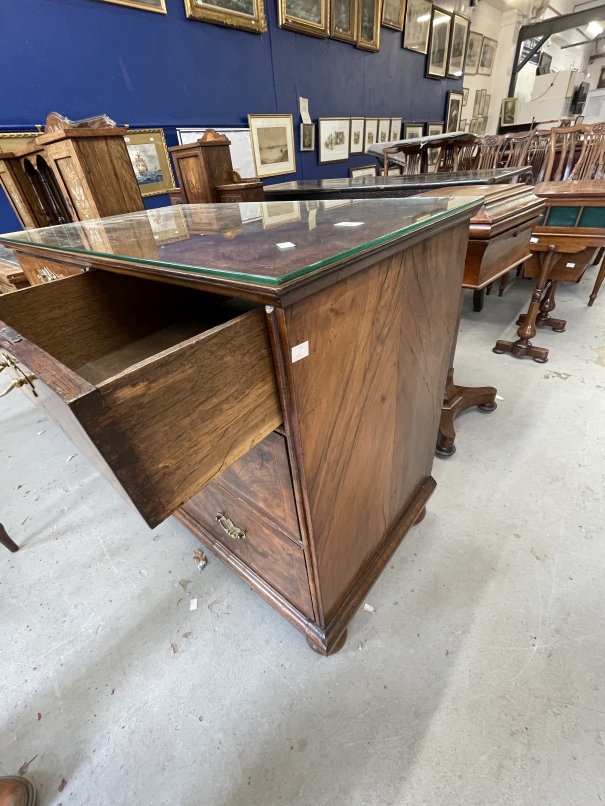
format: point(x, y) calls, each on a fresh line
point(571, 229)
point(275, 382)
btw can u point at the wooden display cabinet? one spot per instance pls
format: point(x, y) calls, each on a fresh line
point(279, 390)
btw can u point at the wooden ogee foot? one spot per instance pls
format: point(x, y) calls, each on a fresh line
point(6, 541)
point(456, 400)
point(522, 349)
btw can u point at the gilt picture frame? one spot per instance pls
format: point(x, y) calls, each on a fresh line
point(246, 15)
point(158, 6)
point(473, 53)
point(150, 161)
point(439, 41)
point(334, 135)
point(272, 140)
point(458, 41)
point(15, 141)
point(393, 13)
point(310, 17)
point(417, 25)
point(368, 25)
point(344, 20)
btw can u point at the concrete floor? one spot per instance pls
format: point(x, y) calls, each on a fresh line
point(478, 680)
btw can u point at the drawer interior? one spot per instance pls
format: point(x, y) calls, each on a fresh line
point(99, 324)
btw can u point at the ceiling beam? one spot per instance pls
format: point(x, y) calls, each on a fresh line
point(554, 25)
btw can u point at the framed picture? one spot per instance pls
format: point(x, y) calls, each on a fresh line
point(473, 52)
point(149, 157)
point(601, 82)
point(365, 170)
point(482, 124)
point(441, 23)
point(472, 127)
point(488, 54)
point(579, 119)
point(168, 224)
point(275, 213)
point(368, 25)
point(343, 20)
point(393, 12)
point(247, 15)
point(14, 141)
point(411, 131)
point(463, 125)
point(432, 130)
point(357, 131)
point(272, 139)
point(307, 137)
point(395, 129)
point(486, 101)
point(464, 96)
point(459, 38)
point(384, 130)
point(544, 64)
point(453, 111)
point(334, 139)
point(303, 16)
point(417, 25)
point(146, 5)
point(508, 111)
point(371, 133)
point(477, 104)
point(394, 170)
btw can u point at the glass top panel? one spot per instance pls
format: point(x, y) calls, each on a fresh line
point(483, 176)
point(8, 256)
point(269, 243)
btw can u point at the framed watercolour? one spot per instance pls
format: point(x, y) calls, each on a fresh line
point(343, 20)
point(146, 5)
point(453, 112)
point(432, 154)
point(384, 130)
point(459, 38)
point(272, 140)
point(441, 23)
point(307, 137)
point(247, 15)
point(14, 141)
point(149, 157)
point(368, 25)
point(417, 25)
point(303, 16)
point(434, 129)
point(334, 139)
point(357, 131)
point(412, 131)
point(473, 53)
point(395, 129)
point(464, 96)
point(364, 170)
point(508, 111)
point(393, 12)
point(488, 54)
point(371, 133)
point(276, 213)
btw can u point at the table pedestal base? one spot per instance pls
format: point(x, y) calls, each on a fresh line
point(456, 400)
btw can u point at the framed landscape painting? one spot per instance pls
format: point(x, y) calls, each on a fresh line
point(272, 139)
point(309, 17)
point(334, 139)
point(439, 41)
point(146, 5)
point(248, 15)
point(149, 157)
point(417, 25)
point(343, 20)
point(368, 25)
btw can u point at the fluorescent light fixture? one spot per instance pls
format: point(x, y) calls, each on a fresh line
point(594, 29)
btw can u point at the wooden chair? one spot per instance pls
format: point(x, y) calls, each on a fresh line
point(458, 155)
point(565, 141)
point(490, 151)
point(591, 164)
point(515, 149)
point(537, 155)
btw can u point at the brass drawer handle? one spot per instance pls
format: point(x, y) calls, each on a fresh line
point(228, 526)
point(17, 382)
point(25, 379)
point(47, 276)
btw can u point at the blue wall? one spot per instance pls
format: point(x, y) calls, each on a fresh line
point(85, 57)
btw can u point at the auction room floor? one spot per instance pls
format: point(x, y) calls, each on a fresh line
point(478, 680)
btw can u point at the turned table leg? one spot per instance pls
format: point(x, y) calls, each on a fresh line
point(6, 541)
point(597, 285)
point(527, 329)
point(456, 400)
point(547, 305)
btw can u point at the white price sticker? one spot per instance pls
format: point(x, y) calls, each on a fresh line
point(534, 240)
point(300, 351)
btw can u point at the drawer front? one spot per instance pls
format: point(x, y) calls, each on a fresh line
point(38, 270)
point(272, 555)
point(164, 426)
point(486, 261)
point(262, 479)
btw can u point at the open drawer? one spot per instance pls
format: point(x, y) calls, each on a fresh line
point(161, 387)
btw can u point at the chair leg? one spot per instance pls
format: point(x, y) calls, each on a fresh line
point(488, 289)
point(597, 285)
point(6, 541)
point(503, 281)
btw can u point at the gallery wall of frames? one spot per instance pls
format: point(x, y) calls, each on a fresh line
point(170, 64)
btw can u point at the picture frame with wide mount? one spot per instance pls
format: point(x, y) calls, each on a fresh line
point(453, 111)
point(417, 25)
point(439, 40)
point(508, 111)
point(307, 137)
point(272, 140)
point(334, 135)
point(413, 131)
point(245, 15)
point(488, 54)
point(395, 133)
point(473, 53)
point(357, 135)
point(362, 170)
point(458, 41)
point(384, 130)
point(370, 135)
